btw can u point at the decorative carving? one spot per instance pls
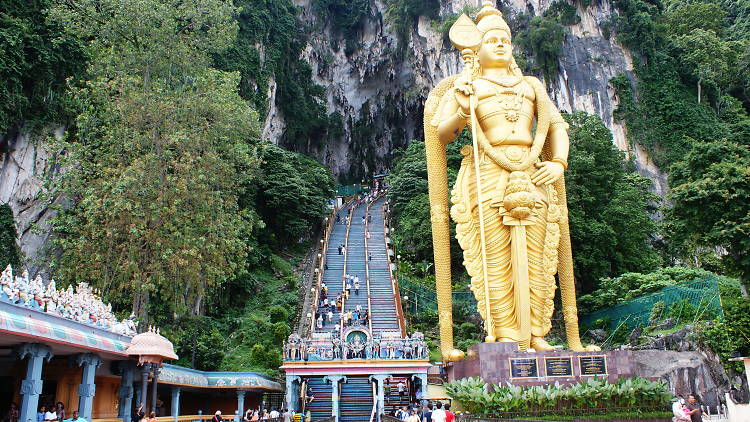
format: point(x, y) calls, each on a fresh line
point(33, 350)
point(31, 387)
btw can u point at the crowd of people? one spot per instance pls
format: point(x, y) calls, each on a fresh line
point(82, 304)
point(356, 348)
point(687, 410)
point(260, 414)
point(426, 412)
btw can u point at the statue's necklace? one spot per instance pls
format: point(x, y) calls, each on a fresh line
point(509, 98)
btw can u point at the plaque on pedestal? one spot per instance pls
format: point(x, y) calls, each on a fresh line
point(523, 368)
point(593, 365)
point(558, 367)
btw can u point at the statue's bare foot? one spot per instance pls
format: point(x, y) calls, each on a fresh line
point(540, 344)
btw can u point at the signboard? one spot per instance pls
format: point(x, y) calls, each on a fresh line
point(559, 367)
point(593, 365)
point(523, 368)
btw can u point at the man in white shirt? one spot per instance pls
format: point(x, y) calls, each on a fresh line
point(274, 414)
point(49, 415)
point(438, 415)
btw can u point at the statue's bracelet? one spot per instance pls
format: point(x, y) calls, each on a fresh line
point(560, 161)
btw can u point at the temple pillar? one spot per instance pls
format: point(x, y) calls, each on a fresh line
point(127, 369)
point(240, 404)
point(175, 402)
point(143, 396)
point(155, 384)
point(86, 391)
point(334, 380)
point(293, 383)
point(31, 386)
point(380, 380)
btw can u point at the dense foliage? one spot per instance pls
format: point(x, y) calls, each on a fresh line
point(36, 56)
point(594, 393)
point(609, 206)
point(9, 253)
point(690, 115)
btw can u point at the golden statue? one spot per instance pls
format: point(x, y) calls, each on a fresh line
point(509, 200)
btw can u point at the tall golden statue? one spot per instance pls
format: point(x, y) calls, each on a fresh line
point(509, 200)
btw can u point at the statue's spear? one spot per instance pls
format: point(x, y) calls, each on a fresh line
point(466, 37)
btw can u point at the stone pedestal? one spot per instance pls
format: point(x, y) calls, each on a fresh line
point(502, 363)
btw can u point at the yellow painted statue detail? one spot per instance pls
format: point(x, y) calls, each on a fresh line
point(509, 200)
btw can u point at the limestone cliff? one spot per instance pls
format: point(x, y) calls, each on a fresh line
point(381, 93)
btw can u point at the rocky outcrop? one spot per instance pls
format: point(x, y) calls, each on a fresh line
point(25, 166)
point(686, 373)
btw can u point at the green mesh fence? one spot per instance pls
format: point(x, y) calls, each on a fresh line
point(689, 301)
point(421, 298)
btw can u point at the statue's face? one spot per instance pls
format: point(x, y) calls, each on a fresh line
point(496, 49)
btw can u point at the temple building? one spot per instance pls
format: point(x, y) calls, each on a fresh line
point(96, 368)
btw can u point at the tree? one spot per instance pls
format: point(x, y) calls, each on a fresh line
point(543, 39)
point(704, 55)
point(291, 195)
point(9, 253)
point(162, 147)
point(608, 206)
point(711, 201)
point(693, 16)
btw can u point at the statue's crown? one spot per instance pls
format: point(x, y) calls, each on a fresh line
point(490, 18)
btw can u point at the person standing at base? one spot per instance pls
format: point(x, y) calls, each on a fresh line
point(77, 418)
point(414, 416)
point(427, 415)
point(439, 414)
point(287, 416)
point(449, 416)
point(694, 409)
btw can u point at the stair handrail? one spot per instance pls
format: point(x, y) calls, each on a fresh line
point(394, 281)
point(367, 267)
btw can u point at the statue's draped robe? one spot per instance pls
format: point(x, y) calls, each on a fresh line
point(542, 233)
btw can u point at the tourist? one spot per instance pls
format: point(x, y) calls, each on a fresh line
point(287, 416)
point(139, 414)
point(60, 410)
point(449, 416)
point(694, 409)
point(40, 414)
point(248, 415)
point(680, 410)
point(51, 415)
point(330, 316)
point(274, 414)
point(369, 257)
point(319, 323)
point(217, 417)
point(77, 418)
point(402, 414)
point(151, 417)
point(341, 248)
point(414, 416)
point(401, 387)
point(367, 234)
point(356, 286)
point(310, 395)
point(439, 414)
point(427, 414)
point(12, 415)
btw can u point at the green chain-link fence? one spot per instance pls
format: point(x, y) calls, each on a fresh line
point(697, 299)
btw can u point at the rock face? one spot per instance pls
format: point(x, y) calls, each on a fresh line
point(380, 92)
point(686, 373)
point(24, 167)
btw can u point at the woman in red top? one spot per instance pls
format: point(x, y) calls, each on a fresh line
point(449, 416)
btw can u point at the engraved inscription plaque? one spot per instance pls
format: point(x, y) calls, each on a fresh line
point(523, 368)
point(559, 367)
point(593, 365)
